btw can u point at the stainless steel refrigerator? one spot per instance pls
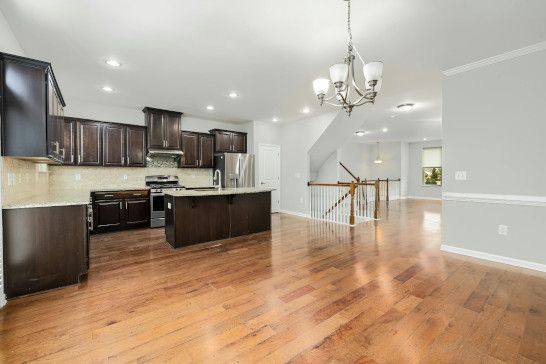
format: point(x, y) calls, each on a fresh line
point(237, 169)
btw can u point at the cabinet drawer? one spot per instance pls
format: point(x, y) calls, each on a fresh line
point(114, 195)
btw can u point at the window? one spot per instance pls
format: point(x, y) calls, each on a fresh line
point(432, 166)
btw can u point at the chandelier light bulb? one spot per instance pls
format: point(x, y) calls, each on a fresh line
point(373, 71)
point(339, 73)
point(321, 86)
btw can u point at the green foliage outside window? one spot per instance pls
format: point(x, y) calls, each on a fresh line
point(432, 175)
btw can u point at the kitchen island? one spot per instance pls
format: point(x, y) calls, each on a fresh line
point(198, 216)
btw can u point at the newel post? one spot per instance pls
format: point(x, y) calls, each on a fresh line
point(352, 192)
point(387, 189)
point(376, 205)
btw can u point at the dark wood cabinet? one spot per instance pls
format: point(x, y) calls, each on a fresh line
point(136, 146)
point(206, 150)
point(163, 128)
point(32, 110)
point(113, 145)
point(118, 210)
point(44, 248)
point(229, 141)
point(190, 147)
point(247, 213)
point(198, 150)
point(88, 142)
point(69, 143)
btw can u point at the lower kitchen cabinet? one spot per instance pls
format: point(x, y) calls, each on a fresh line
point(119, 210)
point(44, 248)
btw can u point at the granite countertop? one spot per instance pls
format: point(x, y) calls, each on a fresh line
point(223, 191)
point(61, 198)
point(53, 198)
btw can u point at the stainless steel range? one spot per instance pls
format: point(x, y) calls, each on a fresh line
point(158, 184)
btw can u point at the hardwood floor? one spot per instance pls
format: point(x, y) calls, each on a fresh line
point(306, 292)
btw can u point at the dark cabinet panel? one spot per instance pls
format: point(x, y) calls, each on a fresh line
point(163, 128)
point(206, 151)
point(32, 109)
point(137, 211)
point(239, 142)
point(136, 146)
point(190, 147)
point(69, 142)
point(113, 140)
point(108, 213)
point(223, 141)
point(172, 131)
point(88, 140)
point(156, 138)
point(229, 141)
point(247, 213)
point(44, 248)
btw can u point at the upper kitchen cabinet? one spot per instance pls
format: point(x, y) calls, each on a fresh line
point(229, 141)
point(198, 150)
point(88, 143)
point(69, 132)
point(113, 145)
point(31, 110)
point(136, 146)
point(163, 128)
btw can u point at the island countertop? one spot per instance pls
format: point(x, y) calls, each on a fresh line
point(215, 192)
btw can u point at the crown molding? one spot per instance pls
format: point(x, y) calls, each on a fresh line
point(497, 199)
point(495, 59)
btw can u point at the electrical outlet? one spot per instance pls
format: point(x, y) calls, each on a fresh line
point(460, 176)
point(503, 230)
point(77, 176)
point(125, 177)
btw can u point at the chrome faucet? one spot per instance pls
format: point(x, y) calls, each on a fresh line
point(219, 173)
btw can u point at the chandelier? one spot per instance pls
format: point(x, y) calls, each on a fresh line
point(347, 94)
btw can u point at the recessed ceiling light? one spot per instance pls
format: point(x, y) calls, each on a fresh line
point(210, 107)
point(113, 63)
point(384, 130)
point(393, 115)
point(107, 89)
point(424, 139)
point(233, 94)
point(405, 107)
point(306, 110)
point(275, 120)
point(361, 133)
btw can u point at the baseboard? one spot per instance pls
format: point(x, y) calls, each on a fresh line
point(494, 258)
point(521, 200)
point(300, 214)
point(423, 198)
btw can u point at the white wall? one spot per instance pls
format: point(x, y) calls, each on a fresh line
point(328, 173)
point(497, 137)
point(297, 138)
point(359, 157)
point(8, 44)
point(404, 169)
point(416, 187)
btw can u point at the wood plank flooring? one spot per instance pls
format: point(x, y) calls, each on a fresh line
point(306, 292)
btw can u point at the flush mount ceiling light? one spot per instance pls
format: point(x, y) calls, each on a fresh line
point(210, 107)
point(275, 120)
point(233, 94)
point(113, 63)
point(343, 78)
point(384, 130)
point(405, 107)
point(107, 89)
point(378, 159)
point(306, 110)
point(360, 133)
point(424, 139)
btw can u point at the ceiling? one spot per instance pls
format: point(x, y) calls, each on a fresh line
point(185, 55)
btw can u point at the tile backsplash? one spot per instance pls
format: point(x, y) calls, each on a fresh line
point(21, 179)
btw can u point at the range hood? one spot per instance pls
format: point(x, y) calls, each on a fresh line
point(165, 153)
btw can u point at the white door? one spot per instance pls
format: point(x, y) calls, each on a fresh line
point(270, 172)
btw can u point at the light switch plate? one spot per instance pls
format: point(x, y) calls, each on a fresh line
point(460, 176)
point(125, 177)
point(503, 230)
point(77, 176)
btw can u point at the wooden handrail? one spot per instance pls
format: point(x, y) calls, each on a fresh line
point(340, 184)
point(348, 171)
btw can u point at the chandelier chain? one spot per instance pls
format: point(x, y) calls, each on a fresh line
point(349, 22)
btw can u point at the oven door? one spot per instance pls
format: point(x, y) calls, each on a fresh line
point(157, 205)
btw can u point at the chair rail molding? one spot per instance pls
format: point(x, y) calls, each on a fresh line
point(493, 257)
point(521, 200)
point(495, 59)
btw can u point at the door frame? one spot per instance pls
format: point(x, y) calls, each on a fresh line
point(259, 179)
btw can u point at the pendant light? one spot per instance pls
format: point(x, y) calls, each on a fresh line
point(378, 159)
